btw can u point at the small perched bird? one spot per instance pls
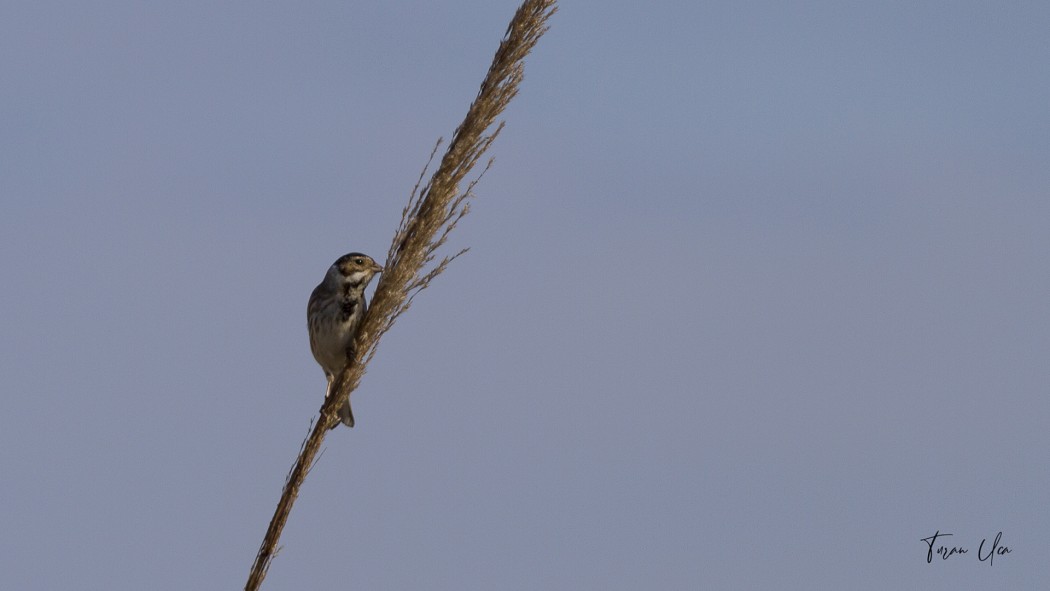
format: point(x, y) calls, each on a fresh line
point(337, 306)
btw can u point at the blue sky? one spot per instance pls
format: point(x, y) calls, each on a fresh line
point(756, 296)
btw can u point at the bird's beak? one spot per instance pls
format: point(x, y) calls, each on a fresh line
point(377, 268)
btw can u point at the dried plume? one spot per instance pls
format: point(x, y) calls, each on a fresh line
point(432, 212)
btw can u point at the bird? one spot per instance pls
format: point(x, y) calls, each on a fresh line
point(333, 316)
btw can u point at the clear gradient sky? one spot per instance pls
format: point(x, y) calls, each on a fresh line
point(758, 296)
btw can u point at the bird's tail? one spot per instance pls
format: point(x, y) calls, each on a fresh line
point(346, 416)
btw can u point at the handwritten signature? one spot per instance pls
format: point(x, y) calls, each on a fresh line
point(946, 552)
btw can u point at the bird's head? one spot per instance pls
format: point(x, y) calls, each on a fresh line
point(355, 269)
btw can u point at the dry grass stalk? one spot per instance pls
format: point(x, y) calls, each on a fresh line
point(431, 214)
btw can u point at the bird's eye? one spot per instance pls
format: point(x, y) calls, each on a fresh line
point(359, 261)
